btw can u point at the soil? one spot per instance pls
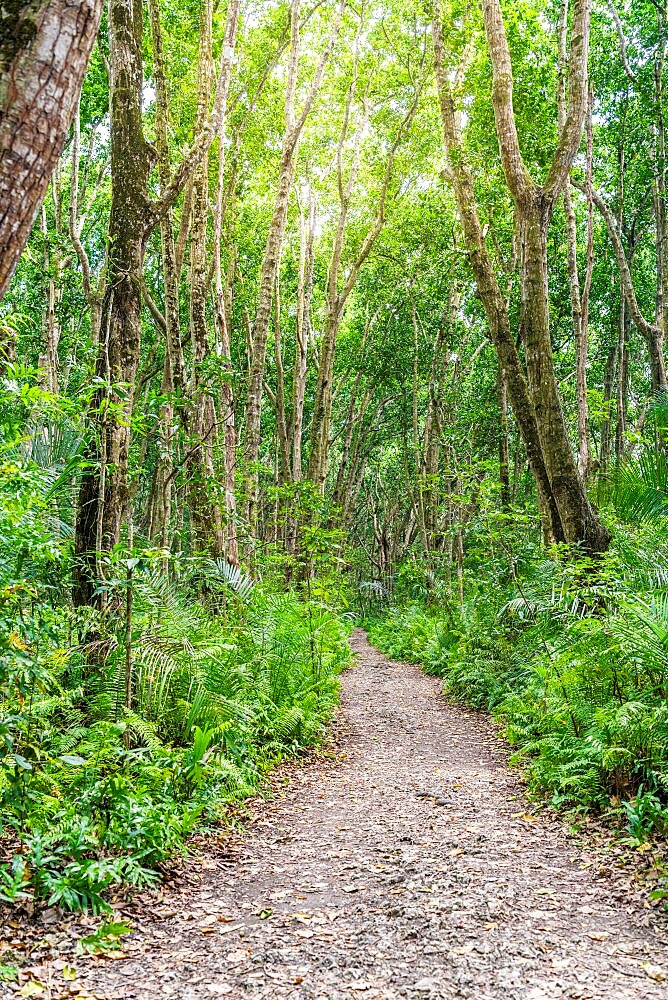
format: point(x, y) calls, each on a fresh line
point(408, 864)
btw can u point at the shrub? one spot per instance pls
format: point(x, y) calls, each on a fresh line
point(572, 659)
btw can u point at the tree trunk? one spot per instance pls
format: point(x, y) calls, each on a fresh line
point(76, 222)
point(302, 330)
point(223, 308)
point(579, 301)
point(322, 407)
point(582, 338)
point(53, 269)
point(540, 416)
point(285, 471)
point(652, 333)
point(164, 477)
point(660, 215)
point(622, 381)
point(494, 303)
point(270, 263)
point(608, 383)
point(44, 50)
point(103, 497)
point(433, 430)
point(579, 522)
point(205, 516)
point(504, 453)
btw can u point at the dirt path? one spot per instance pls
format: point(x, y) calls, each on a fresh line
point(405, 870)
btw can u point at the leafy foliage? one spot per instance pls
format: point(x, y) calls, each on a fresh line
point(126, 724)
point(573, 661)
point(226, 679)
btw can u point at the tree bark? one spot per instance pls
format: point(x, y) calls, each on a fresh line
point(44, 50)
point(504, 451)
point(284, 475)
point(534, 206)
point(579, 301)
point(223, 306)
point(433, 427)
point(659, 188)
point(302, 330)
point(104, 495)
point(53, 271)
point(77, 218)
point(582, 338)
point(196, 412)
point(494, 303)
point(622, 381)
point(173, 371)
point(205, 516)
point(608, 383)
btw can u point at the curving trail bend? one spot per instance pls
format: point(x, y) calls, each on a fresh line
point(410, 867)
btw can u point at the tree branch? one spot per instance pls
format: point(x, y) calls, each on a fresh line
point(570, 134)
point(622, 42)
point(647, 329)
point(518, 179)
point(211, 129)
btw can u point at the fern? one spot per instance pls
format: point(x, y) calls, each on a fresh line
point(144, 731)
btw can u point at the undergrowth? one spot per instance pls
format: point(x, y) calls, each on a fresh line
point(571, 658)
point(93, 793)
point(109, 761)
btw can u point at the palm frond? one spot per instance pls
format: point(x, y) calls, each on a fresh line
point(638, 487)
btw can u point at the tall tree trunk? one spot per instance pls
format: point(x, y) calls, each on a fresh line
point(205, 513)
point(77, 218)
point(622, 381)
point(540, 417)
point(534, 207)
point(433, 429)
point(579, 522)
point(281, 412)
point(302, 330)
point(174, 363)
point(104, 495)
point(493, 300)
point(270, 263)
point(223, 309)
point(579, 300)
point(608, 384)
point(196, 411)
point(504, 452)
point(582, 340)
point(44, 51)
point(53, 269)
point(660, 213)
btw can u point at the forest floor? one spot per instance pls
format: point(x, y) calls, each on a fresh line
point(405, 864)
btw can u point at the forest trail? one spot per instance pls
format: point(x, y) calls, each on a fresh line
point(409, 868)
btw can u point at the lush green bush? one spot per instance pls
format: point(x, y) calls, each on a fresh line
point(572, 658)
point(93, 792)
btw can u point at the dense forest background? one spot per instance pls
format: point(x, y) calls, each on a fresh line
point(331, 311)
